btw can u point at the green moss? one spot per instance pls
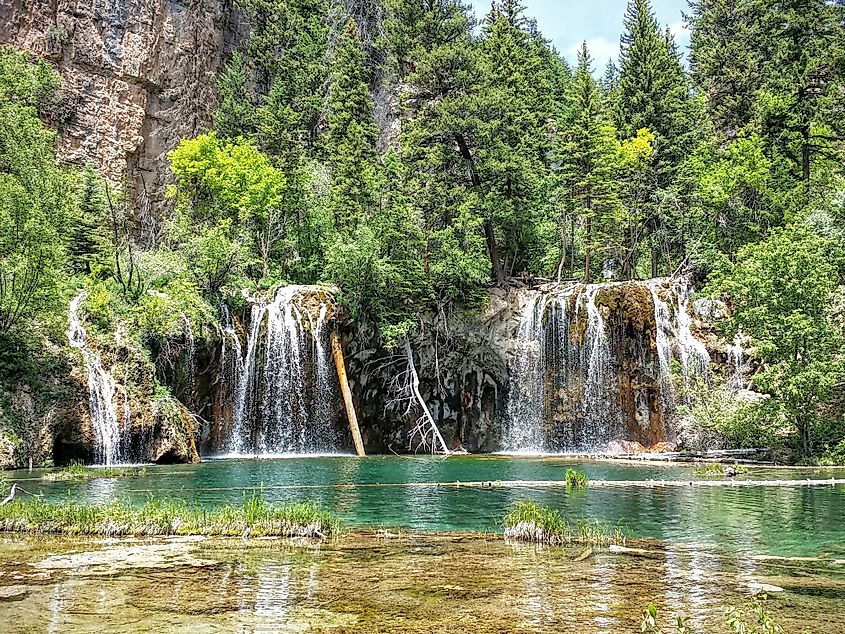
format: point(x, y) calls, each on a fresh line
point(632, 302)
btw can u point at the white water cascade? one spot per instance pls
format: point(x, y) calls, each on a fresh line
point(283, 391)
point(601, 412)
point(694, 358)
point(566, 390)
point(526, 405)
point(736, 363)
point(101, 392)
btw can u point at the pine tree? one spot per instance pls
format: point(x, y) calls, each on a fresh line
point(589, 156)
point(350, 142)
point(516, 114)
point(439, 65)
point(654, 96)
point(725, 61)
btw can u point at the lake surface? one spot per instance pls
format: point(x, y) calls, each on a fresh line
point(412, 493)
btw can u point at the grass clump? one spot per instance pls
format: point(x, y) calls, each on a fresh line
point(255, 518)
point(531, 522)
point(717, 470)
point(576, 479)
point(79, 471)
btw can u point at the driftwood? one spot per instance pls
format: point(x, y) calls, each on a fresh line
point(337, 353)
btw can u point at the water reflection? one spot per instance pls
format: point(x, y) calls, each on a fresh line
point(411, 585)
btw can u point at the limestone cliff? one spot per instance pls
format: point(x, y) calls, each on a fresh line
point(138, 75)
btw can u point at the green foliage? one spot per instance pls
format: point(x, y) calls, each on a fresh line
point(752, 618)
point(576, 479)
point(718, 410)
point(589, 160)
point(781, 292)
point(230, 213)
point(715, 470)
point(36, 198)
point(351, 137)
point(78, 471)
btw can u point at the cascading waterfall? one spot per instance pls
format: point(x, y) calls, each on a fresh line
point(565, 385)
point(101, 391)
point(736, 363)
point(695, 360)
point(526, 406)
point(664, 334)
point(601, 413)
point(282, 388)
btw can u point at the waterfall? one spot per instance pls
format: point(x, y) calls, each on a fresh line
point(664, 334)
point(284, 395)
point(601, 412)
point(695, 360)
point(526, 405)
point(736, 363)
point(101, 391)
point(580, 377)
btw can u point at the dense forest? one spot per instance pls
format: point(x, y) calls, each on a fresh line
point(414, 156)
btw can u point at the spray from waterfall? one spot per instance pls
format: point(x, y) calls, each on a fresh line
point(101, 391)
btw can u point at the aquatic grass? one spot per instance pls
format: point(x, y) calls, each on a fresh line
point(717, 470)
point(576, 479)
point(532, 522)
point(78, 471)
point(162, 517)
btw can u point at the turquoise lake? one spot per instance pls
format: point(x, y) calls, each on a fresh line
point(404, 492)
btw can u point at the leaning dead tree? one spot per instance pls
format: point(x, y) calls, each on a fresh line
point(424, 435)
point(11, 494)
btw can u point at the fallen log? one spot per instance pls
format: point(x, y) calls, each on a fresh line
point(337, 354)
point(11, 494)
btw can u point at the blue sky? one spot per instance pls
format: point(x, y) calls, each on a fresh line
point(569, 22)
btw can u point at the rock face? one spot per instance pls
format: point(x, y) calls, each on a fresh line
point(138, 75)
point(559, 369)
point(462, 361)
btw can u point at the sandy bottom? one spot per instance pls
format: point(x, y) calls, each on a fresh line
point(387, 582)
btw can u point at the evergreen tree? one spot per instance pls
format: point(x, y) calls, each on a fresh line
point(515, 115)
point(725, 62)
point(350, 142)
point(589, 156)
point(440, 67)
point(653, 95)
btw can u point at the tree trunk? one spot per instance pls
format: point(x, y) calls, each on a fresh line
point(489, 233)
point(805, 158)
point(588, 249)
point(428, 426)
point(337, 353)
point(495, 263)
